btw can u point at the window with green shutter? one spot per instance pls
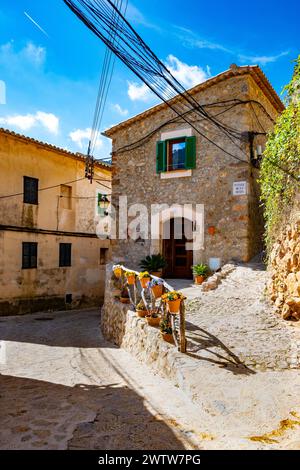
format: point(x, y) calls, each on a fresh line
point(190, 153)
point(161, 157)
point(176, 154)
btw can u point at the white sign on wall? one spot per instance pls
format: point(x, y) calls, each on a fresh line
point(240, 188)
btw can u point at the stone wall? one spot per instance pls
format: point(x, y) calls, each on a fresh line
point(121, 326)
point(284, 264)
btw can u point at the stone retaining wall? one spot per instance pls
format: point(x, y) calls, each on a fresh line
point(284, 286)
point(121, 326)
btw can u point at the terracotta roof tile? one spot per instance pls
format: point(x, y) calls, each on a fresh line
point(77, 156)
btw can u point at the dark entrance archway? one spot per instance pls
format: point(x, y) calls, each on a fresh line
point(179, 259)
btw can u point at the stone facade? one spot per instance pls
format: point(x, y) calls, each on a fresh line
point(241, 98)
point(284, 286)
point(65, 213)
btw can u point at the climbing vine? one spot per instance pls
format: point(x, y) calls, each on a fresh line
point(280, 169)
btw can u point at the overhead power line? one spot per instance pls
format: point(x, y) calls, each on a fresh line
point(129, 47)
point(56, 186)
point(137, 55)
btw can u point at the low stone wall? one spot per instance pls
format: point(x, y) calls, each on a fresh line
point(213, 281)
point(122, 327)
point(284, 286)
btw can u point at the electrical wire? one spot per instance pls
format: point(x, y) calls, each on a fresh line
point(56, 186)
point(132, 50)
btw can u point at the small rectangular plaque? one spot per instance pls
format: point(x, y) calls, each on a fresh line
point(240, 188)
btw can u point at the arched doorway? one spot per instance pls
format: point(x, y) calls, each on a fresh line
point(176, 233)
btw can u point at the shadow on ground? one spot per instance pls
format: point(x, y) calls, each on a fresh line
point(36, 414)
point(50, 329)
point(204, 346)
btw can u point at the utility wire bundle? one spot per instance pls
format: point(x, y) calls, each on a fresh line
point(104, 85)
point(105, 20)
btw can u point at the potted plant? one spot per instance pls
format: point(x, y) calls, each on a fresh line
point(153, 318)
point(124, 296)
point(141, 309)
point(130, 277)
point(200, 272)
point(117, 270)
point(166, 330)
point(173, 300)
point(154, 264)
point(144, 278)
point(157, 287)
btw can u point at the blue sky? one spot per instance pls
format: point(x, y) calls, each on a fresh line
point(51, 65)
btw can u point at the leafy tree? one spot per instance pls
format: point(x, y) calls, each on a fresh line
point(280, 169)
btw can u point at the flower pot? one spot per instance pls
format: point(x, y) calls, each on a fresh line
point(157, 290)
point(118, 272)
point(124, 300)
point(141, 313)
point(153, 321)
point(174, 305)
point(199, 279)
point(212, 230)
point(168, 338)
point(144, 282)
point(131, 280)
point(156, 273)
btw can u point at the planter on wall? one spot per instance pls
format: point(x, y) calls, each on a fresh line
point(131, 280)
point(144, 282)
point(153, 321)
point(199, 279)
point(174, 305)
point(141, 313)
point(157, 291)
point(168, 338)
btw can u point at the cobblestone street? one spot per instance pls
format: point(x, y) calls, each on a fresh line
point(62, 386)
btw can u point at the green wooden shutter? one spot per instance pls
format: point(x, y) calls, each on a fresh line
point(161, 157)
point(190, 155)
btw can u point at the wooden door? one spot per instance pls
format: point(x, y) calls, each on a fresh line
point(179, 260)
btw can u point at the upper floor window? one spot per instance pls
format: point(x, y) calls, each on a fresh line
point(66, 196)
point(176, 154)
point(31, 190)
point(29, 255)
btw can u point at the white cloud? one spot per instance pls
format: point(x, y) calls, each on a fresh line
point(191, 39)
point(120, 110)
point(137, 17)
point(187, 75)
point(49, 121)
point(35, 54)
point(27, 121)
point(81, 138)
point(29, 54)
point(138, 92)
point(262, 60)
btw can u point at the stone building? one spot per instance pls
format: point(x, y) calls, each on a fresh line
point(159, 158)
point(50, 255)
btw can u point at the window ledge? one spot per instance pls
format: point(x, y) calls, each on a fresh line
point(175, 174)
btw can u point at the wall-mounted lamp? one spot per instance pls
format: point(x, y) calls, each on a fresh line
point(259, 150)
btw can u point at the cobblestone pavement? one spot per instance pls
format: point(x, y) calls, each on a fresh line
point(62, 386)
point(234, 325)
